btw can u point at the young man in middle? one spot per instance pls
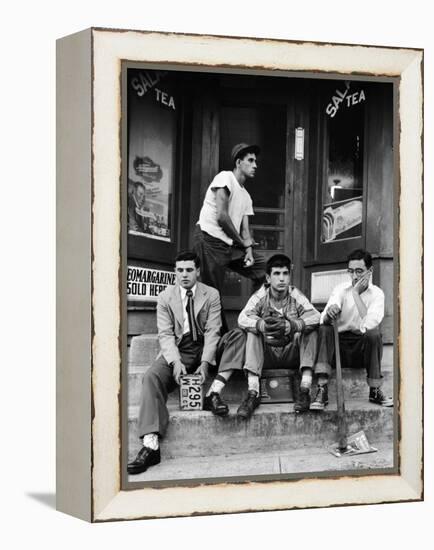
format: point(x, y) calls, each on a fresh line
point(280, 324)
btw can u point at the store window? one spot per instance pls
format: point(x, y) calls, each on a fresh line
point(152, 131)
point(342, 194)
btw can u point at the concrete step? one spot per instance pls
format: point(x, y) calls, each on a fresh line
point(272, 428)
point(311, 460)
point(143, 350)
point(354, 380)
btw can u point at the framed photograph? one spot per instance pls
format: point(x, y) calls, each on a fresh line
point(177, 403)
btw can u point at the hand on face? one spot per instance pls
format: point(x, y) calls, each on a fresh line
point(362, 284)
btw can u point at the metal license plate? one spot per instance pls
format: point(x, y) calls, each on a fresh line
point(190, 393)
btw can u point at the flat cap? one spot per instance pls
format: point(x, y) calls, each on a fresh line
point(240, 149)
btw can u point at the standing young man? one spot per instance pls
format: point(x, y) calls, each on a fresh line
point(222, 237)
point(281, 324)
point(189, 322)
point(357, 307)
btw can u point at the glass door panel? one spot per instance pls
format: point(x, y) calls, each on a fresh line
point(342, 208)
point(341, 200)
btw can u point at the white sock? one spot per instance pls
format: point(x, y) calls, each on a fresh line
point(218, 385)
point(322, 380)
point(253, 382)
point(306, 378)
point(151, 441)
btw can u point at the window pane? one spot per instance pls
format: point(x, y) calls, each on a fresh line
point(267, 218)
point(268, 239)
point(342, 208)
point(232, 284)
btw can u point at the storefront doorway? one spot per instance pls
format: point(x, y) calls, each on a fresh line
point(266, 126)
point(324, 184)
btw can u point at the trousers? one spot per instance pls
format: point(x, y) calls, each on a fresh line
point(357, 351)
point(216, 257)
point(158, 382)
point(249, 351)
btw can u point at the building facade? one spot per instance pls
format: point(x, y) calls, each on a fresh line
point(324, 184)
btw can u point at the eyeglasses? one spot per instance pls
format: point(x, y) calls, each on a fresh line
point(357, 272)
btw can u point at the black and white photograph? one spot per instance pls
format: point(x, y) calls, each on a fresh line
point(225, 337)
point(260, 214)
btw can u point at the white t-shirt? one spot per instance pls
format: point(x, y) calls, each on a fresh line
point(240, 204)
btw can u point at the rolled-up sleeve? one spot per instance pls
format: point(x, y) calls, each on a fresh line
point(375, 313)
point(335, 300)
point(222, 180)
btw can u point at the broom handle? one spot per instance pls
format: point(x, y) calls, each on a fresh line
point(342, 428)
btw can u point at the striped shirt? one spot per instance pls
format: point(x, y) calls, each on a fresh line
point(296, 308)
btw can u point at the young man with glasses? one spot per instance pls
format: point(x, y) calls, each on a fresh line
point(357, 307)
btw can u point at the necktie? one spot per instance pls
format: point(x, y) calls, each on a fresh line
point(190, 313)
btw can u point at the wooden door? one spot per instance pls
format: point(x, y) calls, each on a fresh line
point(263, 124)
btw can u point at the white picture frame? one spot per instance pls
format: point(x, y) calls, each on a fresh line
point(89, 349)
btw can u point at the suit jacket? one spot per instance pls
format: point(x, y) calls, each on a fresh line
point(170, 321)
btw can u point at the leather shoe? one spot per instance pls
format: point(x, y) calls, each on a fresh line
point(250, 403)
point(302, 403)
point(215, 404)
point(146, 457)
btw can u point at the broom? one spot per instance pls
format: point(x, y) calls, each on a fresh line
point(342, 425)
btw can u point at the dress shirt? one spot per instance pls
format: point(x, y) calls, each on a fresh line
point(184, 299)
point(349, 319)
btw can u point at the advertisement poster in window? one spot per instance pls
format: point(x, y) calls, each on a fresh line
point(151, 154)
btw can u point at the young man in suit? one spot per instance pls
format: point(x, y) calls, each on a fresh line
point(357, 307)
point(189, 322)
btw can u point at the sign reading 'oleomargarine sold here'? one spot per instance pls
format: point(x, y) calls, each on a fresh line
point(145, 284)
